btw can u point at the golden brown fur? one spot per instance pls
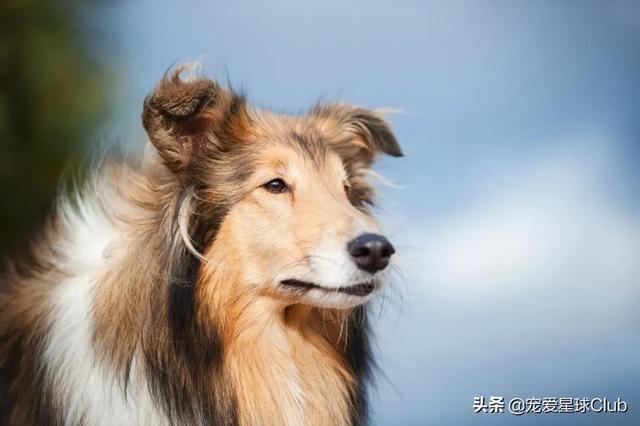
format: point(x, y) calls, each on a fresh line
point(187, 299)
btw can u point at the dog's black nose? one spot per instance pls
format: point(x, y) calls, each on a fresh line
point(371, 252)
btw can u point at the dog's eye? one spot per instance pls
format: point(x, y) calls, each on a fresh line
point(276, 186)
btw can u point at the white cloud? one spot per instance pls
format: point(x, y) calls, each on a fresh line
point(552, 232)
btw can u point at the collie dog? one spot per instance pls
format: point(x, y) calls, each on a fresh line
point(223, 281)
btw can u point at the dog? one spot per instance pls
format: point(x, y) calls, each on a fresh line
point(223, 281)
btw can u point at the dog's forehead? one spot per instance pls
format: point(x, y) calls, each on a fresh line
point(298, 138)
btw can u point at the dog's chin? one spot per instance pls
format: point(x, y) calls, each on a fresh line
point(335, 300)
point(343, 297)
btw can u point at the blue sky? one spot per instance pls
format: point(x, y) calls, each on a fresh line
point(517, 217)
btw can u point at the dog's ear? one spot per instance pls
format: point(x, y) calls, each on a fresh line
point(358, 135)
point(187, 117)
point(356, 131)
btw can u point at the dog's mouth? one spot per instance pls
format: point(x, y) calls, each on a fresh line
point(359, 290)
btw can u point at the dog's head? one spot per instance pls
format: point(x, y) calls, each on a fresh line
point(282, 200)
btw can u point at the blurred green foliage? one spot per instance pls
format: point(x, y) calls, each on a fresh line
point(53, 94)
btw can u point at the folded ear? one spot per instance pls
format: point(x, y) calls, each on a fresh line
point(184, 117)
point(356, 130)
point(358, 135)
